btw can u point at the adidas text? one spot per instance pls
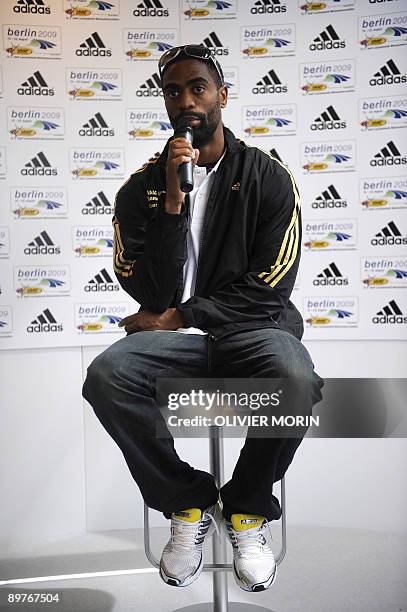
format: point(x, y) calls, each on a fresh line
point(264, 89)
point(33, 10)
point(389, 161)
point(328, 125)
point(329, 281)
point(150, 12)
point(97, 210)
point(103, 287)
point(93, 52)
point(39, 171)
point(42, 250)
point(35, 91)
point(44, 327)
point(388, 241)
point(388, 80)
point(96, 132)
point(329, 204)
point(326, 45)
point(271, 9)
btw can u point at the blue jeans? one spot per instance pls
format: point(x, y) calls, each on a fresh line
point(120, 386)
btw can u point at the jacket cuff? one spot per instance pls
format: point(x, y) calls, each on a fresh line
point(187, 315)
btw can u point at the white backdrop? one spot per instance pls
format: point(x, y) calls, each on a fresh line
point(318, 84)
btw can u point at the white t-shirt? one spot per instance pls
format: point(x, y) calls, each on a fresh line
point(198, 199)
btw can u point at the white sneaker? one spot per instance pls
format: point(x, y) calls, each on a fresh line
point(254, 566)
point(181, 561)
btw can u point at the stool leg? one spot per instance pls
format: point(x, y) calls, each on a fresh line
point(220, 579)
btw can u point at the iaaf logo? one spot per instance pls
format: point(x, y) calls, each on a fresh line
point(331, 311)
point(148, 44)
point(35, 85)
point(329, 6)
point(381, 31)
point(389, 235)
point(384, 272)
point(102, 281)
point(96, 126)
point(389, 155)
point(32, 41)
point(327, 77)
point(38, 203)
point(45, 322)
point(329, 198)
point(93, 47)
point(267, 41)
point(39, 166)
point(329, 157)
point(388, 192)
point(265, 7)
point(42, 245)
point(327, 39)
point(41, 281)
point(44, 124)
point(147, 124)
point(4, 242)
point(383, 113)
point(330, 276)
point(388, 74)
point(205, 9)
point(94, 84)
point(390, 314)
point(93, 241)
point(278, 120)
point(98, 205)
point(151, 8)
point(96, 163)
point(269, 84)
point(6, 321)
point(99, 318)
point(34, 7)
point(336, 235)
point(91, 9)
point(328, 120)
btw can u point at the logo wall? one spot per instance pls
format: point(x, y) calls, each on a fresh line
point(323, 95)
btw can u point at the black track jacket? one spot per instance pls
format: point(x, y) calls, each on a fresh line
point(250, 244)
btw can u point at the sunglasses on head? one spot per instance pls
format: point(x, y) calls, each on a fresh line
point(196, 51)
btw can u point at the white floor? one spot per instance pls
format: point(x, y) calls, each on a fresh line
point(325, 570)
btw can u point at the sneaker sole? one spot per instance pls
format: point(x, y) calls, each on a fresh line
point(171, 581)
point(255, 588)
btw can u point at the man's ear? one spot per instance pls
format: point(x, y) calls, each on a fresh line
point(223, 95)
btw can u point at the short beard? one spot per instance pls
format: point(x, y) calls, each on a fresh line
point(203, 133)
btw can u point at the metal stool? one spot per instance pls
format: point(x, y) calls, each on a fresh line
point(219, 565)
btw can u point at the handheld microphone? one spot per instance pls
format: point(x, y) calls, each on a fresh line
point(185, 170)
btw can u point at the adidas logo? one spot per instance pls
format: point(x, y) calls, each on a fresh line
point(327, 39)
point(150, 8)
point(38, 166)
point(33, 7)
point(261, 7)
point(99, 205)
point(101, 282)
point(35, 85)
point(389, 235)
point(45, 322)
point(388, 156)
point(388, 74)
point(152, 87)
point(96, 126)
point(328, 120)
point(270, 83)
point(390, 313)
point(214, 44)
point(329, 198)
point(93, 47)
point(330, 276)
point(42, 245)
